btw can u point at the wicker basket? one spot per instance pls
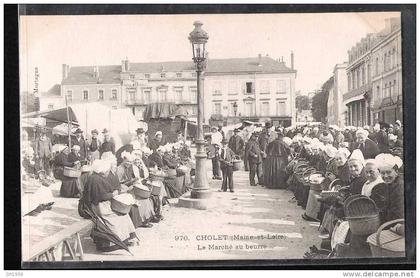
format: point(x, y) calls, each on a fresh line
point(363, 226)
point(156, 188)
point(362, 214)
point(357, 206)
point(71, 172)
point(141, 191)
point(157, 176)
point(237, 165)
point(121, 207)
point(385, 243)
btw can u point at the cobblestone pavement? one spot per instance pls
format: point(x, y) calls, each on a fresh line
point(251, 223)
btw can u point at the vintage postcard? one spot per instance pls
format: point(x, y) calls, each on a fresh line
point(212, 137)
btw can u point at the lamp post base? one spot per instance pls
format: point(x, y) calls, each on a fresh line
point(186, 201)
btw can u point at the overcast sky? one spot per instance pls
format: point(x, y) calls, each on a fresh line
point(319, 41)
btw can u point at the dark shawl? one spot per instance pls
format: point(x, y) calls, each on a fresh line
point(97, 189)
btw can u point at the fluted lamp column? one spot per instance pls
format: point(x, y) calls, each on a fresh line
point(200, 191)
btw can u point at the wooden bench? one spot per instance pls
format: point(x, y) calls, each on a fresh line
point(45, 249)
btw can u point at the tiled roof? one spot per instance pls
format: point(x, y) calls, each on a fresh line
point(54, 91)
point(111, 74)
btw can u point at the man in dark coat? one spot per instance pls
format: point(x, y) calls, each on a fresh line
point(108, 145)
point(43, 152)
point(236, 143)
point(226, 165)
point(263, 141)
point(156, 142)
point(369, 148)
point(253, 154)
point(80, 141)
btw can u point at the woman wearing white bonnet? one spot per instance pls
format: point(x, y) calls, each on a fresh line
point(372, 175)
point(389, 196)
point(97, 196)
point(356, 163)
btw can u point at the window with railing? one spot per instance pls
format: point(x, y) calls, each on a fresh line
point(281, 108)
point(163, 93)
point(193, 94)
point(217, 88)
point(69, 95)
point(217, 108)
point(249, 88)
point(132, 94)
point(265, 87)
point(114, 94)
point(178, 95)
point(146, 96)
point(85, 94)
point(265, 108)
point(281, 87)
point(101, 95)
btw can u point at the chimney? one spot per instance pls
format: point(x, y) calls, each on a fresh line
point(96, 72)
point(292, 60)
point(123, 66)
point(127, 64)
point(259, 60)
point(66, 69)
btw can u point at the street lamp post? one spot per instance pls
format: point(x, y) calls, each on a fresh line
point(235, 110)
point(198, 38)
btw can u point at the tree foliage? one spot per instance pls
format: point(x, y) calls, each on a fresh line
point(320, 102)
point(302, 103)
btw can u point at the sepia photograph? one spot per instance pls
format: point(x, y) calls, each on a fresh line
point(204, 137)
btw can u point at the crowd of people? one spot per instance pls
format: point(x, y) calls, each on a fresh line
point(325, 166)
point(141, 175)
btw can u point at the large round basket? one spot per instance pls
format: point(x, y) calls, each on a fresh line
point(157, 176)
point(183, 169)
point(363, 226)
point(141, 191)
point(237, 165)
point(71, 172)
point(386, 243)
point(156, 188)
point(122, 207)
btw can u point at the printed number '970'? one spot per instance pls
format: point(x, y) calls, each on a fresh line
point(181, 238)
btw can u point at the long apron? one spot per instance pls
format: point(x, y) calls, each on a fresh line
point(121, 225)
point(142, 212)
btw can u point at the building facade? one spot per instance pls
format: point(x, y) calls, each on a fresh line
point(235, 89)
point(336, 110)
point(387, 75)
point(374, 65)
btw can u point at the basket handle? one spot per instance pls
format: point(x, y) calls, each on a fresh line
point(333, 183)
point(383, 226)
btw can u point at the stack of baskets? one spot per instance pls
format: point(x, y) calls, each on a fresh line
point(362, 214)
point(71, 172)
point(388, 243)
point(237, 165)
point(313, 206)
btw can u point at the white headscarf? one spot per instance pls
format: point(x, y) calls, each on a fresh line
point(386, 160)
point(100, 166)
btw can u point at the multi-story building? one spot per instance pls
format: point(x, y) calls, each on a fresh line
point(253, 89)
point(357, 98)
point(336, 109)
point(374, 77)
point(387, 74)
point(243, 88)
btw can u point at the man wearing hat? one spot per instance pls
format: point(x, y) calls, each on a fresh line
point(398, 130)
point(253, 154)
point(156, 142)
point(236, 143)
point(43, 151)
point(226, 157)
point(94, 145)
point(216, 141)
point(263, 141)
point(108, 145)
point(80, 141)
point(140, 139)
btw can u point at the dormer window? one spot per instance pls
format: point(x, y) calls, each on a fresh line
point(132, 76)
point(178, 74)
point(163, 75)
point(147, 75)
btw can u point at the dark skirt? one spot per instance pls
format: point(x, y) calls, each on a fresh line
point(274, 172)
point(70, 187)
point(142, 212)
point(174, 187)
